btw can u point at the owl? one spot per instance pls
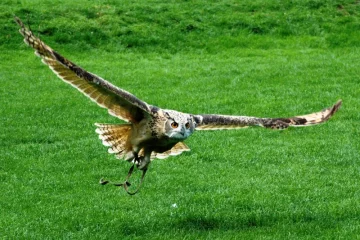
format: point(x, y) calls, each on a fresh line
point(150, 132)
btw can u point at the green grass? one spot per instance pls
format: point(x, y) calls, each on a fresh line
point(267, 59)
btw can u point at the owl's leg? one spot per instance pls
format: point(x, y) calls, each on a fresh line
point(126, 183)
point(142, 164)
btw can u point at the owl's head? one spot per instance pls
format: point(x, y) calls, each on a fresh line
point(179, 125)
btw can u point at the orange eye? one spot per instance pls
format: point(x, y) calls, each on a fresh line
point(187, 125)
point(174, 124)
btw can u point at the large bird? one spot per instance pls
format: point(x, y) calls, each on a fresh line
point(151, 132)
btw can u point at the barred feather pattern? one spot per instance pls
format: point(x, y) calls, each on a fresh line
point(117, 138)
point(151, 129)
point(218, 122)
point(119, 102)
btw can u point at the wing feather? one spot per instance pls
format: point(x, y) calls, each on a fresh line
point(177, 149)
point(119, 102)
point(216, 122)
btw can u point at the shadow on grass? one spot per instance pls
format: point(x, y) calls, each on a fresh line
point(243, 216)
point(189, 225)
point(256, 220)
point(193, 223)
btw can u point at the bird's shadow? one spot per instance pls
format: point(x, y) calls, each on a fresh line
point(238, 221)
point(193, 223)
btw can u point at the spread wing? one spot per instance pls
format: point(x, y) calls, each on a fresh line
point(216, 122)
point(119, 102)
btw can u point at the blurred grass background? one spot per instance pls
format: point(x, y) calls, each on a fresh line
point(266, 59)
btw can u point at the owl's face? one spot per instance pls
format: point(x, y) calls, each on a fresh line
point(178, 126)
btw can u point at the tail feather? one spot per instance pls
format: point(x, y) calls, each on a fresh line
point(116, 137)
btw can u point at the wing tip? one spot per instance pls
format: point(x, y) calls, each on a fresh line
point(18, 21)
point(333, 109)
point(337, 105)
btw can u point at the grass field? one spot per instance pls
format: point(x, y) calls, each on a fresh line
point(256, 58)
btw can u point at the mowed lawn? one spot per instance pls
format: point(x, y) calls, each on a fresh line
point(251, 58)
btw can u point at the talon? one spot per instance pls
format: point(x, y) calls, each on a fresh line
point(103, 182)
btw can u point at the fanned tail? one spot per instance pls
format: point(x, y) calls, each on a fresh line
point(116, 137)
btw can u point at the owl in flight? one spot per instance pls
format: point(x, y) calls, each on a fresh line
point(150, 132)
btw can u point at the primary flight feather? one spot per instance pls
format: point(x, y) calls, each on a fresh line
point(151, 132)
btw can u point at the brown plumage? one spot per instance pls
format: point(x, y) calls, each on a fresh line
point(215, 122)
point(151, 132)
